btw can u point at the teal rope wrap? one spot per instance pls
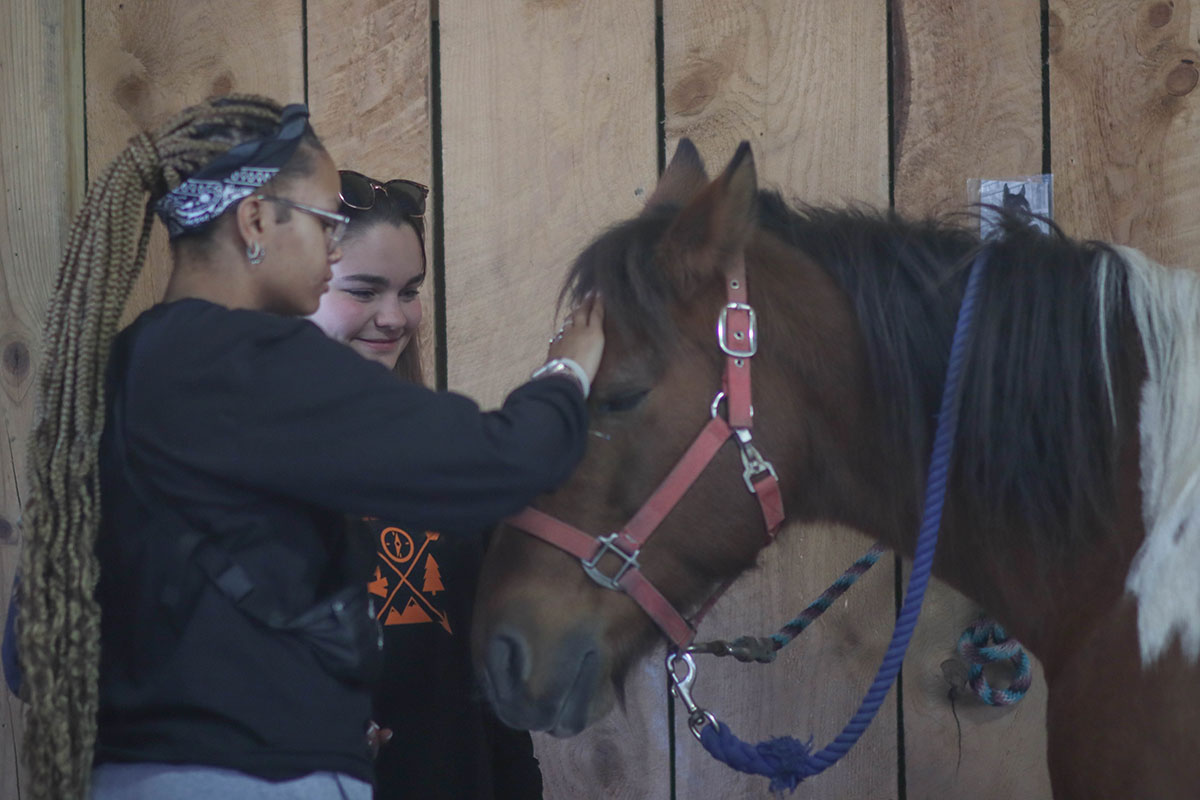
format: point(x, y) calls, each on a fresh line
point(985, 642)
point(787, 761)
point(764, 649)
point(819, 606)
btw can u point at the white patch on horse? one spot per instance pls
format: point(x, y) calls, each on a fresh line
point(1164, 573)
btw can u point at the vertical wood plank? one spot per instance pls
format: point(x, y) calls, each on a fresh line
point(806, 84)
point(968, 98)
point(623, 756)
point(1126, 143)
point(549, 136)
point(815, 684)
point(13, 778)
point(41, 183)
point(961, 747)
point(368, 90)
point(968, 104)
point(368, 84)
point(548, 113)
point(149, 59)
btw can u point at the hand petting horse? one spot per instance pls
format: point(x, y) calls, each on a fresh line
point(1072, 511)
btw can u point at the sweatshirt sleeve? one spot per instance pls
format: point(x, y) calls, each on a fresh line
point(272, 405)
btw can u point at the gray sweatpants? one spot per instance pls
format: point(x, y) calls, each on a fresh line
point(188, 782)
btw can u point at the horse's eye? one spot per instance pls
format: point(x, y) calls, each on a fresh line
point(620, 402)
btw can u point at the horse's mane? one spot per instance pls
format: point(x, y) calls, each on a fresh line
point(1037, 441)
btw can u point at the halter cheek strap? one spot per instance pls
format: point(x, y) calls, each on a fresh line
point(737, 336)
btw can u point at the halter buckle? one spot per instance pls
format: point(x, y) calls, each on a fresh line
point(751, 346)
point(607, 544)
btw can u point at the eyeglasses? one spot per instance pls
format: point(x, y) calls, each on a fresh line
point(358, 192)
point(335, 224)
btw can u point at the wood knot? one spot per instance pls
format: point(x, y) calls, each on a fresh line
point(699, 86)
point(692, 94)
point(606, 763)
point(8, 533)
point(1182, 79)
point(16, 359)
point(132, 93)
point(954, 673)
point(1160, 14)
point(222, 84)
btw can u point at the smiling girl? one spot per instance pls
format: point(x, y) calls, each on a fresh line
point(436, 738)
point(374, 302)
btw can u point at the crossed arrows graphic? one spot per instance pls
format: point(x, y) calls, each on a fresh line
point(397, 546)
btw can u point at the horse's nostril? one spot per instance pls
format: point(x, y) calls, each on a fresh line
point(507, 663)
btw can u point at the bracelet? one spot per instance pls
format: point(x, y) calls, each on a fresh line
point(568, 367)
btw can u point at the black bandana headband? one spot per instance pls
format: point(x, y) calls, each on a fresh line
point(233, 175)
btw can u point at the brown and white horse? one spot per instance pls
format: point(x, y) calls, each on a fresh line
point(1073, 499)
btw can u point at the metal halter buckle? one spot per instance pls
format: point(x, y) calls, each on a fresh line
point(607, 545)
point(751, 334)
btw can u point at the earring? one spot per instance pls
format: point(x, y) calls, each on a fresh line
point(255, 252)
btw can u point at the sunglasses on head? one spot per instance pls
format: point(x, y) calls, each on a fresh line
point(358, 192)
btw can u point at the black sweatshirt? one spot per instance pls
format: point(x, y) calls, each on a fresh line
point(446, 744)
point(261, 433)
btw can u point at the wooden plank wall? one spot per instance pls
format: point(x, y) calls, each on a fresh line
point(730, 75)
point(147, 60)
point(369, 93)
point(550, 130)
point(1125, 144)
point(543, 144)
point(41, 176)
point(987, 122)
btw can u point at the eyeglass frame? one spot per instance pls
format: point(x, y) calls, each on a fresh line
point(382, 186)
point(338, 221)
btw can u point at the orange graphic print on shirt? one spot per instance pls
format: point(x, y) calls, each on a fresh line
point(409, 580)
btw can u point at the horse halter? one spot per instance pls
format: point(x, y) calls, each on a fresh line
point(737, 335)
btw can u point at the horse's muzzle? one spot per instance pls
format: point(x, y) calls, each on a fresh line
point(549, 691)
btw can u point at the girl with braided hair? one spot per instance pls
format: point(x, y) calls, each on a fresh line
point(193, 620)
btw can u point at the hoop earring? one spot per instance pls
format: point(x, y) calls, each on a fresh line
point(255, 252)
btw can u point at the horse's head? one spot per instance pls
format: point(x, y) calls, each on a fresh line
point(553, 646)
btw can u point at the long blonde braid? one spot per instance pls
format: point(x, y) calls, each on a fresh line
point(59, 628)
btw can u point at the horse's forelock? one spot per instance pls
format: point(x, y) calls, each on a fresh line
point(621, 266)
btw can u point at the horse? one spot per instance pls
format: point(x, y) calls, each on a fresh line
point(1071, 499)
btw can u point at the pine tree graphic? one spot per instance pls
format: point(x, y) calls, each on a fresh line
point(433, 577)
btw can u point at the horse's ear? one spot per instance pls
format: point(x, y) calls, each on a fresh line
point(683, 178)
point(714, 227)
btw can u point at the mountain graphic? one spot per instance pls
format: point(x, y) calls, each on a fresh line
point(412, 614)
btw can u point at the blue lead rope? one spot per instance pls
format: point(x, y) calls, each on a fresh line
point(788, 761)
